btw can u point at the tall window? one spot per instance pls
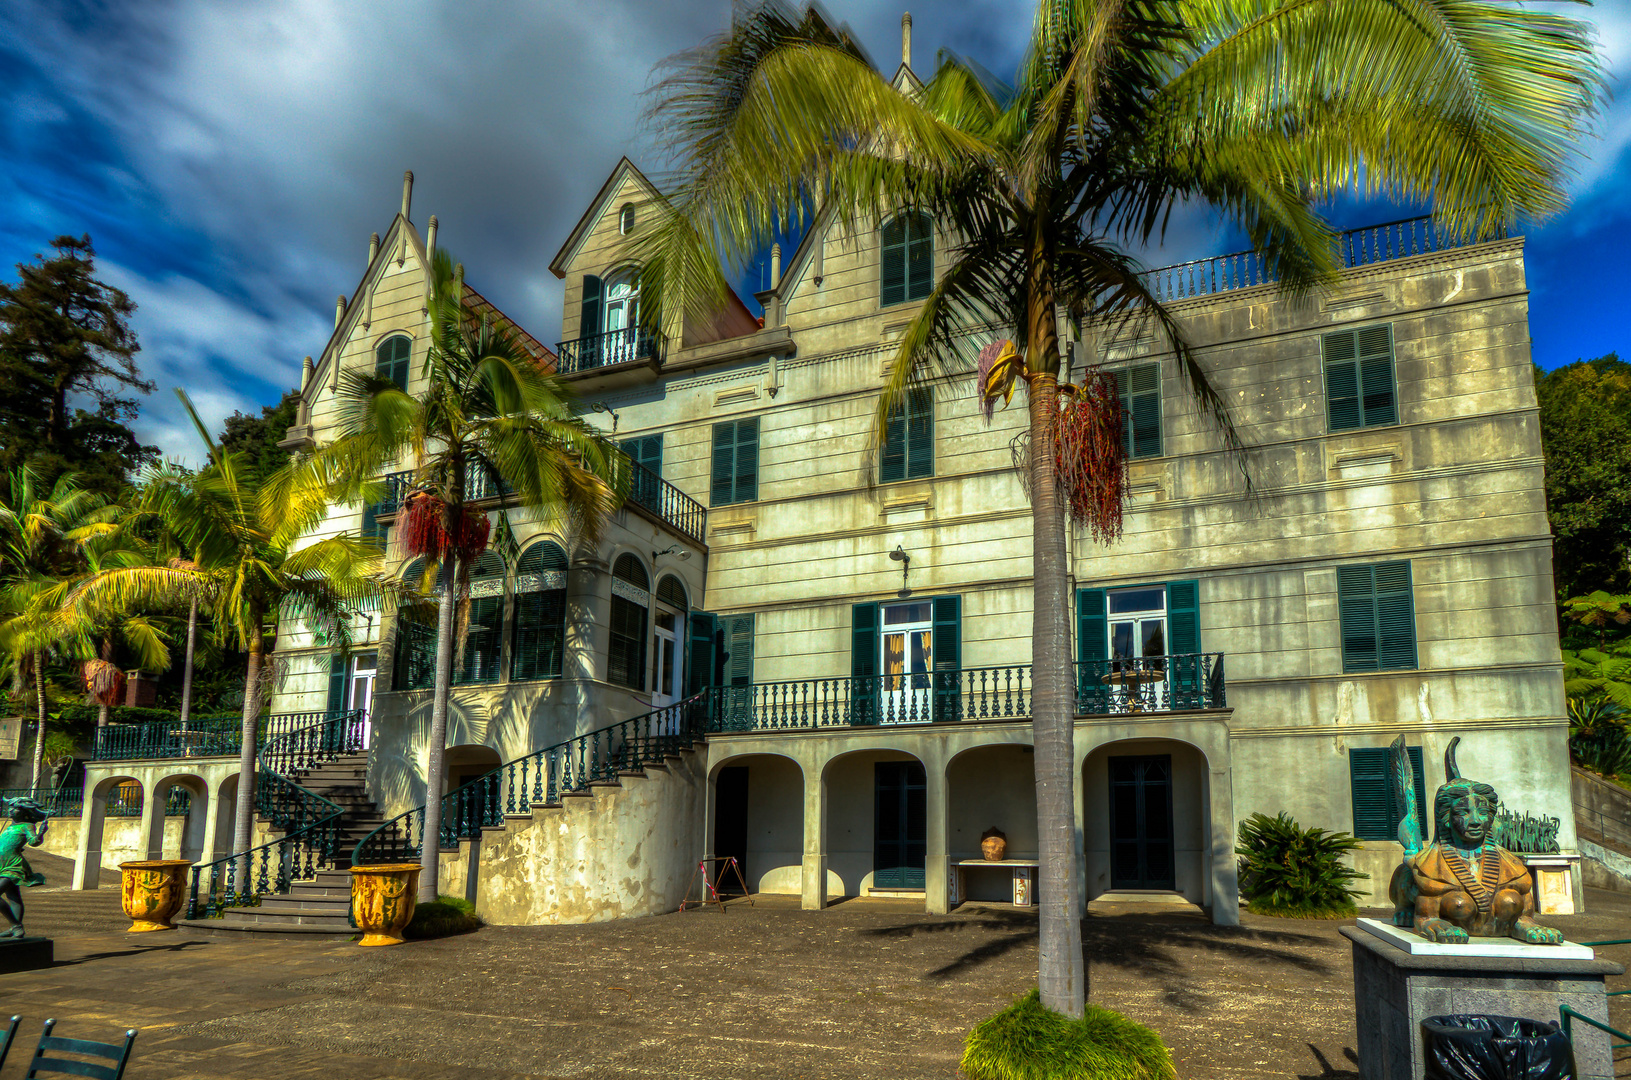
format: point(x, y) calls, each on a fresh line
point(538, 650)
point(415, 667)
point(1139, 388)
point(735, 477)
point(908, 448)
point(647, 452)
point(626, 663)
point(391, 360)
point(484, 638)
point(1359, 382)
point(1378, 617)
point(908, 259)
point(1376, 814)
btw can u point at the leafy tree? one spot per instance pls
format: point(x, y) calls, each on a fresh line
point(65, 336)
point(1122, 109)
point(257, 437)
point(1585, 432)
point(487, 408)
point(249, 568)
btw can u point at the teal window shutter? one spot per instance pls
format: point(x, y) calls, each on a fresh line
point(701, 649)
point(864, 684)
point(646, 452)
point(1183, 642)
point(391, 360)
point(1376, 816)
point(919, 257)
point(893, 273)
point(537, 650)
point(946, 648)
point(336, 683)
point(734, 477)
point(737, 701)
point(1376, 616)
point(908, 450)
point(1360, 388)
point(1092, 652)
point(589, 317)
point(1139, 388)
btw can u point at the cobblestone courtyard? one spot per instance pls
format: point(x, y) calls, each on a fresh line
point(866, 989)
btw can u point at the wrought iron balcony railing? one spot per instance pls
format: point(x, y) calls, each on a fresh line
point(1244, 269)
point(603, 350)
point(121, 801)
point(204, 736)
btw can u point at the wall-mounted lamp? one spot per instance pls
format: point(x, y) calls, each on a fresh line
point(673, 549)
point(601, 406)
point(905, 560)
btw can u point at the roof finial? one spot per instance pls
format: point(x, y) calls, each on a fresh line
point(906, 39)
point(373, 248)
point(407, 192)
point(775, 265)
point(430, 239)
point(339, 310)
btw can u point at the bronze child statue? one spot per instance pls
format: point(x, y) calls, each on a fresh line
point(14, 869)
point(1463, 884)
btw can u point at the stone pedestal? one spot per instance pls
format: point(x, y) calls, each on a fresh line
point(1554, 882)
point(1394, 991)
point(25, 954)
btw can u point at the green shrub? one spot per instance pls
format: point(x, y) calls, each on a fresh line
point(1028, 1041)
point(1294, 872)
point(443, 917)
point(1597, 735)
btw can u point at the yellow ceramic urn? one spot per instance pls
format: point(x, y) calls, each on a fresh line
point(152, 892)
point(382, 900)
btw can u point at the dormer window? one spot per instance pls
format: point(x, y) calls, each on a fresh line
point(391, 360)
point(625, 219)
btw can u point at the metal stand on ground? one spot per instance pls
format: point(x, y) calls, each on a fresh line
point(710, 890)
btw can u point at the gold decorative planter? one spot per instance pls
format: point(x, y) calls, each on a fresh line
point(152, 892)
point(382, 901)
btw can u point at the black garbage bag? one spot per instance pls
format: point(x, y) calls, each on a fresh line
point(1467, 1047)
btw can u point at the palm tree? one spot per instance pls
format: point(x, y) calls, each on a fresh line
point(489, 412)
point(250, 567)
point(36, 553)
point(1122, 110)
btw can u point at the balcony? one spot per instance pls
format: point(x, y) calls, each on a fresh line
point(203, 736)
point(1145, 686)
point(612, 360)
point(1356, 247)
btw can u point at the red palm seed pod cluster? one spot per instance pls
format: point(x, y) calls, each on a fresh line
point(104, 681)
point(422, 529)
point(1090, 460)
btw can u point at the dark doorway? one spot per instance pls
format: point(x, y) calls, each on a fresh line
point(1141, 822)
point(900, 846)
point(731, 823)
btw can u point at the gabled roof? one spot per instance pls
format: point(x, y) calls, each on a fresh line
point(597, 206)
point(479, 304)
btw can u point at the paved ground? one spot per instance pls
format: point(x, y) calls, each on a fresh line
point(866, 989)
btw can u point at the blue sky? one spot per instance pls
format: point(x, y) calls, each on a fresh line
point(230, 158)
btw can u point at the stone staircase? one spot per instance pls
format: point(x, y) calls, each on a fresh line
point(320, 905)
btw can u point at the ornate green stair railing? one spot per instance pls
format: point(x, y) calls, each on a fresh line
point(310, 823)
point(541, 777)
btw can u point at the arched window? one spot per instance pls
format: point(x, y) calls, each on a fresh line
point(391, 359)
point(908, 259)
point(540, 613)
point(671, 591)
point(485, 636)
point(626, 662)
point(415, 667)
point(625, 219)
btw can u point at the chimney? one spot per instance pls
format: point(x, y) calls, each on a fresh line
point(373, 248)
point(407, 192)
point(905, 40)
point(339, 310)
point(775, 266)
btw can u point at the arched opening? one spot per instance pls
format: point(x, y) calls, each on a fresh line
point(538, 648)
point(668, 641)
point(178, 829)
point(111, 836)
point(631, 599)
point(992, 787)
point(877, 822)
point(758, 819)
point(226, 808)
point(1146, 821)
point(466, 762)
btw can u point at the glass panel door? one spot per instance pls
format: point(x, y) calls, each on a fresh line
point(1141, 822)
point(908, 658)
point(360, 691)
point(665, 682)
point(1138, 649)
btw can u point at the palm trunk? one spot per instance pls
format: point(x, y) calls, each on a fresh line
point(187, 666)
point(1061, 974)
point(430, 841)
point(244, 818)
point(39, 723)
point(102, 706)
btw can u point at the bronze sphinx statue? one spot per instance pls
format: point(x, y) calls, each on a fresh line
point(1462, 885)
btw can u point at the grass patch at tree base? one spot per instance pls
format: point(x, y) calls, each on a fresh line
point(1303, 911)
point(1028, 1041)
point(445, 916)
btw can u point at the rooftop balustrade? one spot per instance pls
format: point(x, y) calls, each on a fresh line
point(1356, 247)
